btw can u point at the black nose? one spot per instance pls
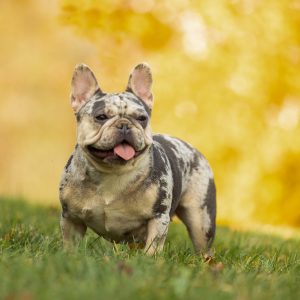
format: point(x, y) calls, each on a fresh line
point(124, 129)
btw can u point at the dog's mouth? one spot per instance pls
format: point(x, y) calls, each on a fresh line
point(123, 151)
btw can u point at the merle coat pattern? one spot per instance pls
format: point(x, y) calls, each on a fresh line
point(125, 183)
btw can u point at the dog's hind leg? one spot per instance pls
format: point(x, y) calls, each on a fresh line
point(197, 210)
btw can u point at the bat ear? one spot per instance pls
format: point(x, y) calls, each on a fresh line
point(83, 87)
point(140, 83)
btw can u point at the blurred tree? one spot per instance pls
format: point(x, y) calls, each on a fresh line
point(226, 80)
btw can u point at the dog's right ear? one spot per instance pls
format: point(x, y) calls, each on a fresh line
point(83, 86)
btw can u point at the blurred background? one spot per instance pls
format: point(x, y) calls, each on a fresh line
point(226, 79)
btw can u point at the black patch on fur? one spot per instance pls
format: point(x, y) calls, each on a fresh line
point(210, 204)
point(143, 123)
point(195, 162)
point(61, 187)
point(191, 165)
point(181, 164)
point(139, 101)
point(99, 94)
point(64, 210)
point(78, 117)
point(69, 162)
point(98, 107)
point(162, 195)
point(157, 170)
point(159, 164)
point(176, 172)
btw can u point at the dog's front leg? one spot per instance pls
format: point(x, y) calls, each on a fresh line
point(72, 232)
point(157, 230)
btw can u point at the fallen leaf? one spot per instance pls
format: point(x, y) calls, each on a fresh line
point(124, 268)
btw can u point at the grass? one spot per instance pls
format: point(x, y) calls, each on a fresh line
point(34, 266)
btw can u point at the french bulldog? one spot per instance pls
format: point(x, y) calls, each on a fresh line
point(126, 183)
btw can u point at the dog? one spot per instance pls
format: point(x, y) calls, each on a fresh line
point(126, 183)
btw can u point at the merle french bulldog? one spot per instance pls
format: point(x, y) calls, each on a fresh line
point(125, 183)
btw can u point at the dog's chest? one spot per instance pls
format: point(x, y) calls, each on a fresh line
point(112, 214)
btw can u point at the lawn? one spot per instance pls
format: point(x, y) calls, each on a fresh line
point(34, 266)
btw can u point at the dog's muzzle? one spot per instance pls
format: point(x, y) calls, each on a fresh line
point(123, 149)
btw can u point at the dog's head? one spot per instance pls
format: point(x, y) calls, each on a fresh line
point(113, 129)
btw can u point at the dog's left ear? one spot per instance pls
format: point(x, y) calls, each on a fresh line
point(83, 87)
point(140, 83)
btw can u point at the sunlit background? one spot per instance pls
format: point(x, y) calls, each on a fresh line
point(226, 79)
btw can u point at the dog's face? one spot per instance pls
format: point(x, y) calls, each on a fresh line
point(113, 129)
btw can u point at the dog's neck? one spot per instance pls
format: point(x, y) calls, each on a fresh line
point(96, 172)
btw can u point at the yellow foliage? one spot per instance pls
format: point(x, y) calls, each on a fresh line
point(226, 80)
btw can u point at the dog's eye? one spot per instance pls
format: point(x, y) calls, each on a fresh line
point(101, 117)
point(142, 118)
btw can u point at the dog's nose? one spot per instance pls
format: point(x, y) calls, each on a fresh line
point(123, 128)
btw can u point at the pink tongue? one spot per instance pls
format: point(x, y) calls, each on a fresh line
point(125, 151)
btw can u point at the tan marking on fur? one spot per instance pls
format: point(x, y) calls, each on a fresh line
point(123, 215)
point(148, 135)
point(112, 208)
point(197, 222)
point(196, 190)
